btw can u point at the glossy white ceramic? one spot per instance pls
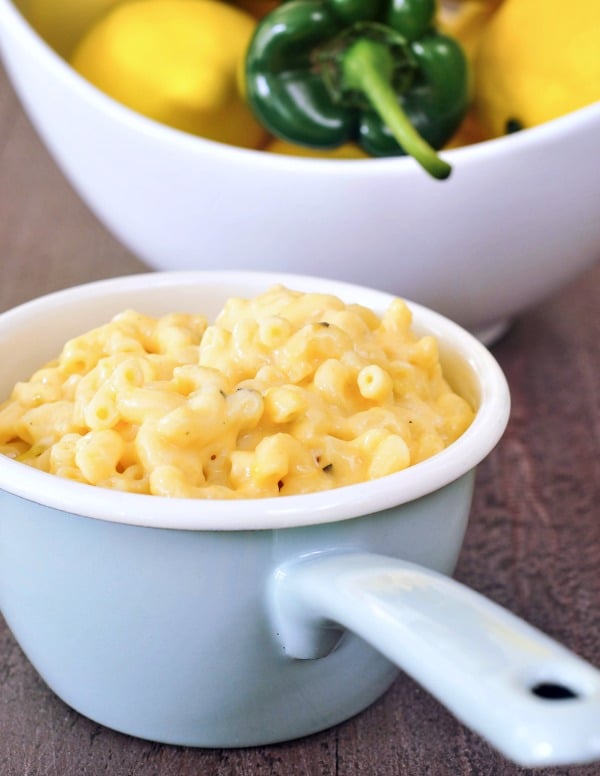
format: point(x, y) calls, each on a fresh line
point(517, 219)
point(236, 623)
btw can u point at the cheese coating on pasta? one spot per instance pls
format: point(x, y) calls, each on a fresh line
point(285, 393)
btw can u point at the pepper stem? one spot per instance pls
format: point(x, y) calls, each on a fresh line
point(367, 67)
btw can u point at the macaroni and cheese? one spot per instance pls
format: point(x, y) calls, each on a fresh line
point(285, 393)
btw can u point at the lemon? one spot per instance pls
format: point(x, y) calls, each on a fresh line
point(63, 27)
point(465, 20)
point(345, 151)
point(537, 60)
point(177, 62)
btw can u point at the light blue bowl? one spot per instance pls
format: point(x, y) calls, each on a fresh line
point(236, 623)
point(167, 634)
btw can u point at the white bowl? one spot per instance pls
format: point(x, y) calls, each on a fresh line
point(517, 219)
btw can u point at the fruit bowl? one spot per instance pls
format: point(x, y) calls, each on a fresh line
point(516, 220)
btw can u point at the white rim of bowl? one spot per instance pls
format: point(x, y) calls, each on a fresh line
point(552, 130)
point(279, 512)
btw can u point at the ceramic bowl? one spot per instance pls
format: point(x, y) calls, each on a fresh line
point(245, 622)
point(517, 219)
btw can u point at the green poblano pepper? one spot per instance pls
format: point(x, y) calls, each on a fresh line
point(320, 73)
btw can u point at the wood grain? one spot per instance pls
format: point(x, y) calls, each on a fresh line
point(533, 543)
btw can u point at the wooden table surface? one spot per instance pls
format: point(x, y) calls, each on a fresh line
point(533, 543)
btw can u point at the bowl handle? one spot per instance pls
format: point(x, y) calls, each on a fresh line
point(530, 697)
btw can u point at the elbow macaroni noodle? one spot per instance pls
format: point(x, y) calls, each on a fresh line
point(285, 393)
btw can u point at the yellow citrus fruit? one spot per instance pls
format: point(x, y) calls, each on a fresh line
point(175, 61)
point(63, 28)
point(345, 151)
point(465, 20)
point(469, 133)
point(537, 60)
